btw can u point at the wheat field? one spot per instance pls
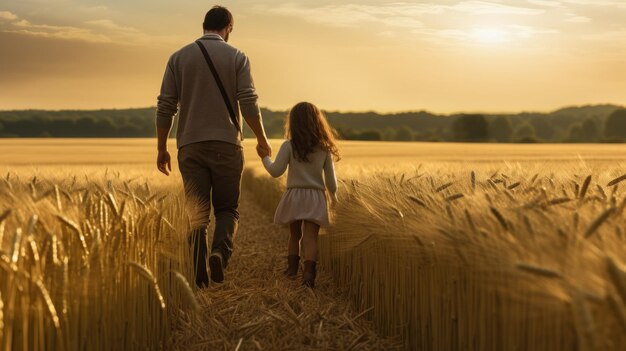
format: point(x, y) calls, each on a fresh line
point(434, 246)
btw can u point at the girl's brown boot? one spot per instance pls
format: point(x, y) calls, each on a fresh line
point(293, 262)
point(310, 271)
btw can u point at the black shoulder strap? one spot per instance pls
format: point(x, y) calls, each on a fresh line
point(231, 111)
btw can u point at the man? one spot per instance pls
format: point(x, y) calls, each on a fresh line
point(204, 82)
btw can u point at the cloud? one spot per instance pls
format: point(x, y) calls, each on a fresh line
point(565, 3)
point(493, 8)
point(401, 14)
point(352, 15)
point(574, 18)
point(616, 37)
point(426, 21)
point(617, 3)
point(488, 34)
point(8, 16)
point(96, 8)
point(112, 27)
point(22, 26)
point(546, 3)
point(528, 31)
point(94, 31)
point(572, 10)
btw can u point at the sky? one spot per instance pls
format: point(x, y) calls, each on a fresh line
point(442, 56)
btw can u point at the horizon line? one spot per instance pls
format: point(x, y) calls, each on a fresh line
point(347, 111)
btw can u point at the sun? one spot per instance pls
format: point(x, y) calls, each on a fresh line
point(489, 35)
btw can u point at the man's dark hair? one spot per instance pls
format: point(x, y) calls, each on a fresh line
point(217, 18)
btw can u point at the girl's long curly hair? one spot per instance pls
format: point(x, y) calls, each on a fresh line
point(307, 128)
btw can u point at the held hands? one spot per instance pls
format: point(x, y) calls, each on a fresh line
point(164, 162)
point(263, 148)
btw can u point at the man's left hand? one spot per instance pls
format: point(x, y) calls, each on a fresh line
point(164, 162)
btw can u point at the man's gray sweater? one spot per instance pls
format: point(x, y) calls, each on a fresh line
point(189, 88)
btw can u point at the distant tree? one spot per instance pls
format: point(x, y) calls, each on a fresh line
point(525, 131)
point(423, 125)
point(129, 130)
point(544, 128)
point(404, 133)
point(528, 140)
point(106, 127)
point(276, 127)
point(435, 139)
point(388, 133)
point(3, 133)
point(615, 125)
point(575, 133)
point(346, 134)
point(501, 129)
point(590, 131)
point(470, 128)
point(426, 135)
point(369, 135)
point(85, 126)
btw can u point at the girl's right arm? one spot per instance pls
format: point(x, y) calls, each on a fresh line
point(330, 178)
point(279, 166)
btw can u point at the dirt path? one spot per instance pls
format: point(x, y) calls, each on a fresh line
point(258, 309)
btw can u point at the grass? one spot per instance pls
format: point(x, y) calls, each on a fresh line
point(483, 256)
point(99, 261)
point(503, 249)
point(258, 309)
point(87, 259)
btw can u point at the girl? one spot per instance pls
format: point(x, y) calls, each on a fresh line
point(309, 150)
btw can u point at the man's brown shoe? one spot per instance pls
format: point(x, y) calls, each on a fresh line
point(216, 266)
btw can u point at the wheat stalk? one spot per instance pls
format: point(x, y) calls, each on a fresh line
point(49, 304)
point(514, 185)
point(417, 201)
point(586, 326)
point(57, 197)
point(616, 180)
point(454, 197)
point(1, 317)
point(538, 270)
point(617, 276)
point(111, 199)
point(601, 191)
point(585, 187)
point(473, 180)
point(147, 275)
point(470, 221)
point(559, 201)
point(74, 227)
point(5, 215)
point(187, 292)
point(443, 187)
point(17, 242)
point(618, 308)
point(598, 222)
point(499, 217)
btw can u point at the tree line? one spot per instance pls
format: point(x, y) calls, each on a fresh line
point(600, 123)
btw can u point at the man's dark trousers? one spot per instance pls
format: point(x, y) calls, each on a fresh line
point(212, 166)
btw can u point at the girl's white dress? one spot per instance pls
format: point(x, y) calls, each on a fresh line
point(302, 204)
point(305, 198)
